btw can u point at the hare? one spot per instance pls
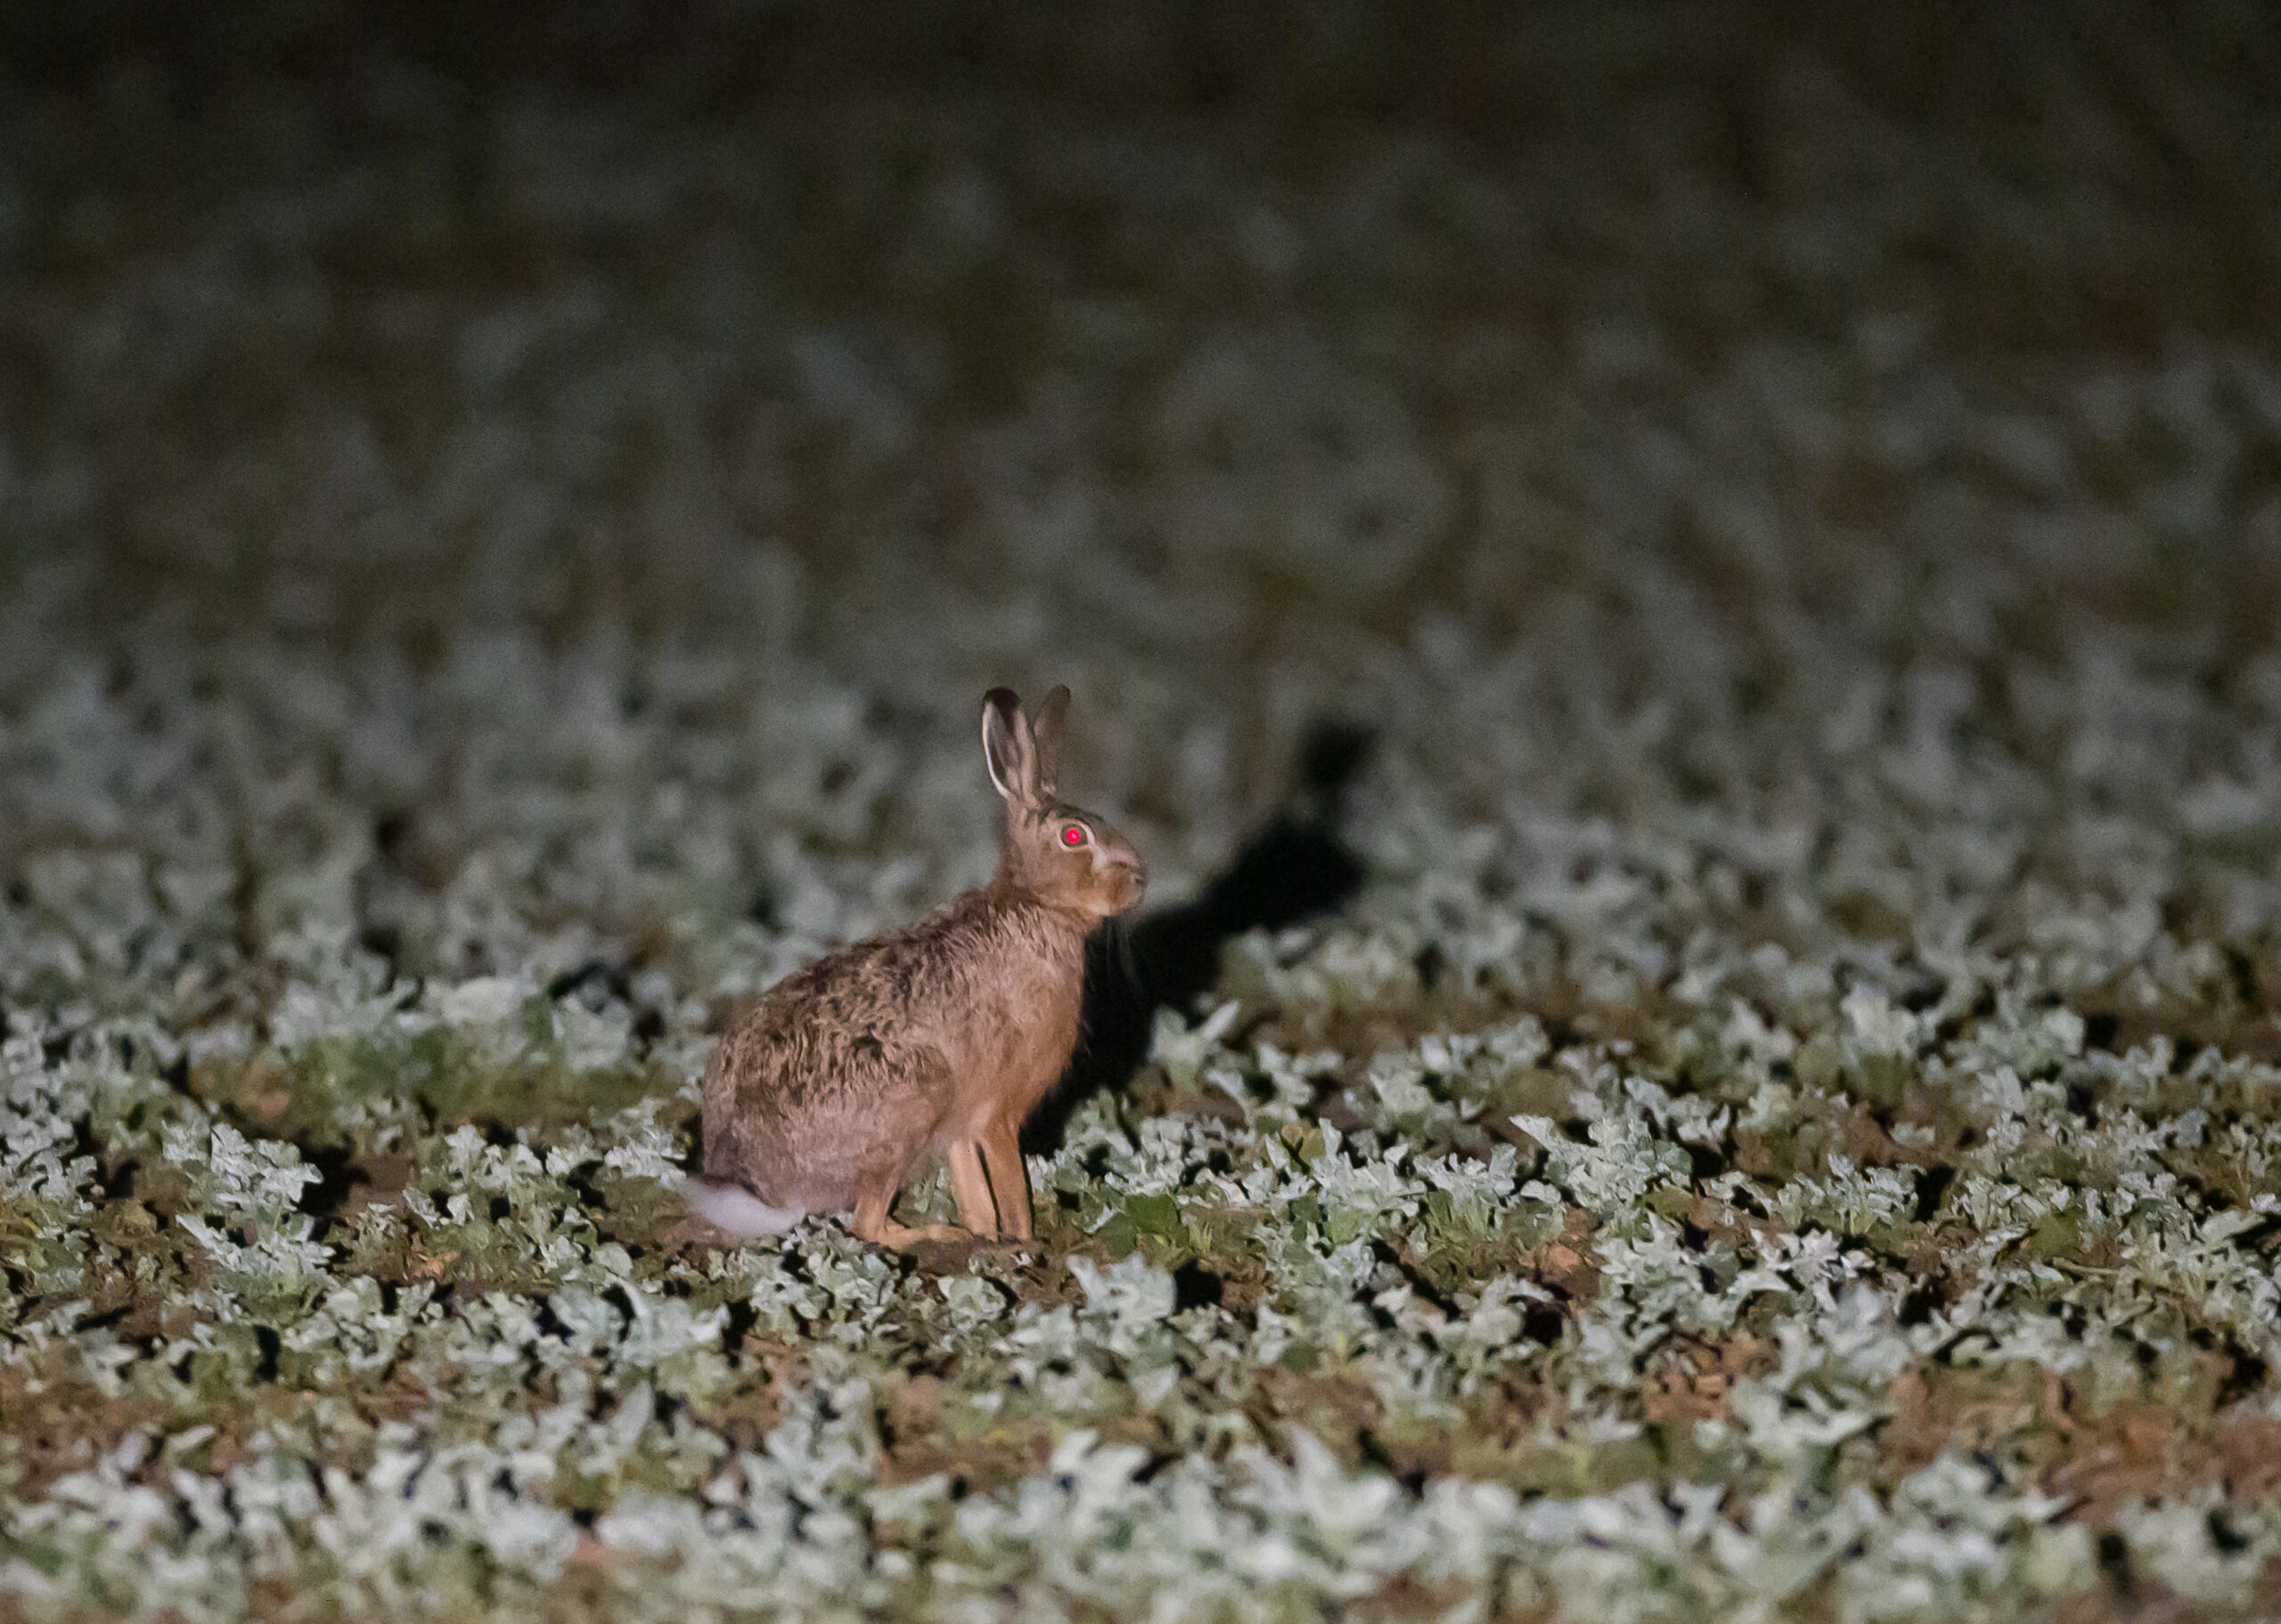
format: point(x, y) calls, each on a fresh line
point(940, 1036)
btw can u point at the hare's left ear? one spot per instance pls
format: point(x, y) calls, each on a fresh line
point(1045, 732)
point(1008, 748)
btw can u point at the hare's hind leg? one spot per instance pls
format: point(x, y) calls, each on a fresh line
point(1010, 1179)
point(977, 1208)
point(872, 1222)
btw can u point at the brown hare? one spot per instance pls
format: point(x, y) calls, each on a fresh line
point(940, 1036)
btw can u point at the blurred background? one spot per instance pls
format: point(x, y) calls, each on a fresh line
point(476, 480)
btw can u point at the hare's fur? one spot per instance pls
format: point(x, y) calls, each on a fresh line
point(937, 1038)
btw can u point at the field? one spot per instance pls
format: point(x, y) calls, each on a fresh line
point(1682, 600)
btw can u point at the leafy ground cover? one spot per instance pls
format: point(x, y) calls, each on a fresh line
point(1785, 1128)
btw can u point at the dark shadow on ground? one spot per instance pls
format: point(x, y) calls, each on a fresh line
point(1293, 867)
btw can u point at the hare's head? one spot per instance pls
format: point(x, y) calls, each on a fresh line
point(1056, 853)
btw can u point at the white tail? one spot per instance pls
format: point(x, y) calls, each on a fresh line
point(725, 1206)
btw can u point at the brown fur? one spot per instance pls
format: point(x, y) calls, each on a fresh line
point(938, 1038)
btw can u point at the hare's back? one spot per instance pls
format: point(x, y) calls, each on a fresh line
point(877, 1005)
point(828, 1086)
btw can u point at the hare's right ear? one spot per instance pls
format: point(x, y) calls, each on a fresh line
point(1006, 747)
point(1045, 735)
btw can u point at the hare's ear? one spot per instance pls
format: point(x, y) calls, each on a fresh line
point(1007, 746)
point(1045, 730)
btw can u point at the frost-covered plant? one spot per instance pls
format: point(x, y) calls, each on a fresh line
point(1788, 1125)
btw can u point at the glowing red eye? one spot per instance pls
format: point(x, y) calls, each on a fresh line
point(1073, 834)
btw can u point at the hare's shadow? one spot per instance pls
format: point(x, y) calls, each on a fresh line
point(1292, 868)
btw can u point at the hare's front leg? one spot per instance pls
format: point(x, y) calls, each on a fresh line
point(971, 1186)
point(872, 1223)
point(1010, 1179)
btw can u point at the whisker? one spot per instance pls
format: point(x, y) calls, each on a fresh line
point(1128, 957)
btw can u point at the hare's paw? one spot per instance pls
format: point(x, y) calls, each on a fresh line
point(1008, 1179)
point(977, 1208)
point(902, 1236)
point(872, 1222)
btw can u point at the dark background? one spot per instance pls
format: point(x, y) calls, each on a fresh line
point(2077, 180)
